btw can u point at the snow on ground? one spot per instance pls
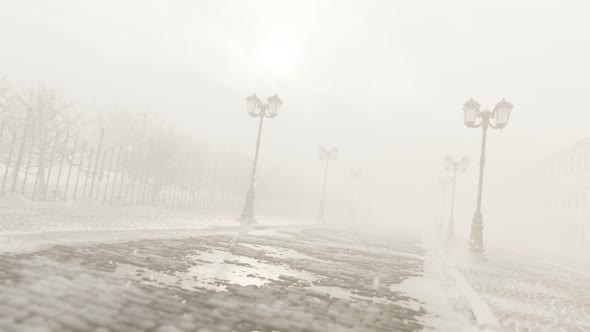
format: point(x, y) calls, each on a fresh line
point(535, 296)
point(528, 294)
point(308, 281)
point(37, 226)
point(57, 219)
point(446, 306)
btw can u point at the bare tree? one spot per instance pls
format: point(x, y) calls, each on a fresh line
point(49, 120)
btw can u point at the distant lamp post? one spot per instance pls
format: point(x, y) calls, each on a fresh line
point(327, 155)
point(442, 184)
point(500, 116)
point(257, 109)
point(454, 166)
point(355, 176)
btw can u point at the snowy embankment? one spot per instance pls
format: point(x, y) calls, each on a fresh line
point(65, 219)
point(30, 226)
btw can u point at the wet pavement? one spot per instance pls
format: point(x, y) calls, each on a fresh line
point(291, 280)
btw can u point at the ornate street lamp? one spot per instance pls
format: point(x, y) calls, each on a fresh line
point(454, 166)
point(500, 116)
point(442, 183)
point(327, 155)
point(257, 109)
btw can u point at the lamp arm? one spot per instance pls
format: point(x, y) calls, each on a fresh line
point(494, 126)
point(476, 125)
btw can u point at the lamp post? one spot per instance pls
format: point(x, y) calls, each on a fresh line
point(257, 109)
point(500, 116)
point(327, 155)
point(443, 184)
point(454, 166)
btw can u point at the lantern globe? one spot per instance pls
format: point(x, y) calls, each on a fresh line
point(334, 153)
point(471, 109)
point(323, 153)
point(502, 113)
point(274, 106)
point(252, 105)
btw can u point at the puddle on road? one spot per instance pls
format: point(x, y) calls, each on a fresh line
point(241, 270)
point(280, 253)
point(216, 268)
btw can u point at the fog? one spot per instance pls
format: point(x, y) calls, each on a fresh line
point(157, 91)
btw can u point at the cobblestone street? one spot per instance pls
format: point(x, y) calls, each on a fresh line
point(290, 280)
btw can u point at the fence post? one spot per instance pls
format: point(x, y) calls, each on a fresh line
point(101, 174)
point(187, 189)
point(20, 153)
point(146, 177)
point(106, 184)
point(172, 185)
point(9, 160)
point(87, 172)
point(125, 167)
point(180, 187)
point(116, 174)
point(22, 190)
point(131, 174)
point(167, 186)
point(70, 168)
point(79, 169)
point(141, 166)
point(63, 155)
point(50, 165)
point(96, 162)
point(191, 196)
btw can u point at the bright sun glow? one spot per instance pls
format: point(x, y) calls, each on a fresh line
point(278, 53)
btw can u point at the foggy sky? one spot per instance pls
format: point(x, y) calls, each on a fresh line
point(382, 80)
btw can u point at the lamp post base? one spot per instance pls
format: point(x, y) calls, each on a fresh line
point(476, 237)
point(320, 218)
point(245, 220)
point(247, 216)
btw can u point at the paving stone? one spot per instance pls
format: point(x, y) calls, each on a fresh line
point(12, 313)
point(6, 321)
point(72, 322)
point(101, 329)
point(94, 294)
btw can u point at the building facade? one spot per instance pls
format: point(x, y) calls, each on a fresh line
point(549, 201)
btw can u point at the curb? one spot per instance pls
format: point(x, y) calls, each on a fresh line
point(484, 317)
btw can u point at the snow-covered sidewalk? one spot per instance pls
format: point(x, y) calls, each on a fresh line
point(528, 292)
